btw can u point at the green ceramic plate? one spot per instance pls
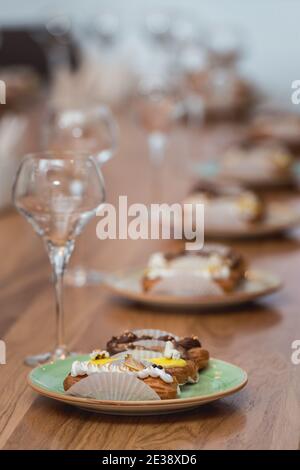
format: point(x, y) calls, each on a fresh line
point(218, 380)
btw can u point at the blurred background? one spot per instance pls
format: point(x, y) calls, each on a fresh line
point(269, 27)
point(164, 65)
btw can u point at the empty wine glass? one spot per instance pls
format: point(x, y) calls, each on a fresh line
point(106, 29)
point(91, 130)
point(157, 107)
point(225, 45)
point(54, 37)
point(58, 193)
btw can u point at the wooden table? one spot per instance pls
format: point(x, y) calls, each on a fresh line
point(265, 415)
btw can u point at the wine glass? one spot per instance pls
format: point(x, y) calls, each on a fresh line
point(91, 130)
point(106, 29)
point(54, 38)
point(225, 45)
point(58, 193)
point(88, 129)
point(157, 108)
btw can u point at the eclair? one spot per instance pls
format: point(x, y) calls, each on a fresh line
point(282, 126)
point(215, 269)
point(226, 204)
point(155, 376)
point(188, 349)
point(253, 163)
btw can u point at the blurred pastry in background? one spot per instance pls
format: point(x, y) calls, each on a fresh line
point(281, 125)
point(226, 204)
point(224, 93)
point(214, 270)
point(228, 95)
point(258, 163)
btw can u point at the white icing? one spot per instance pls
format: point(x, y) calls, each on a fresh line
point(157, 260)
point(170, 352)
point(84, 368)
point(88, 368)
point(155, 372)
point(98, 352)
point(158, 265)
point(80, 368)
point(208, 267)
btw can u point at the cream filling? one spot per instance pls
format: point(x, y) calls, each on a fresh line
point(101, 354)
point(155, 372)
point(86, 368)
point(170, 352)
point(208, 267)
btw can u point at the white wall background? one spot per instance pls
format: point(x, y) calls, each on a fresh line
point(271, 27)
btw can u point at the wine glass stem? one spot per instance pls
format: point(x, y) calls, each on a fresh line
point(60, 332)
point(59, 257)
point(157, 146)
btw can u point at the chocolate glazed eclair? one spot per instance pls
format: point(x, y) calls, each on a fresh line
point(190, 349)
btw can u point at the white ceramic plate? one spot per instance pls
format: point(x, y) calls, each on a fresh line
point(127, 284)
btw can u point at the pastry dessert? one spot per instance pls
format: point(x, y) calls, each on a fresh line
point(226, 204)
point(155, 376)
point(280, 125)
point(223, 93)
point(257, 163)
point(189, 347)
point(214, 270)
point(184, 370)
point(132, 340)
point(81, 369)
point(228, 95)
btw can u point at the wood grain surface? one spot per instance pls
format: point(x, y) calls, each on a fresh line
point(257, 337)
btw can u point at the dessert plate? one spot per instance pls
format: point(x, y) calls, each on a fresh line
point(218, 380)
point(128, 284)
point(280, 217)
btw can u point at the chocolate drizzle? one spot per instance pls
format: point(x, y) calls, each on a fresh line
point(188, 342)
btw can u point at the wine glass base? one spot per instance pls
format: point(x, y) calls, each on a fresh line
point(80, 277)
point(44, 358)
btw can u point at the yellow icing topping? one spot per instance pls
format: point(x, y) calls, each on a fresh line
point(101, 362)
point(165, 362)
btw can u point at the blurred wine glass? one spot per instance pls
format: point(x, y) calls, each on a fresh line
point(158, 26)
point(54, 37)
point(225, 44)
point(58, 193)
point(106, 29)
point(89, 129)
point(157, 108)
point(92, 130)
point(194, 67)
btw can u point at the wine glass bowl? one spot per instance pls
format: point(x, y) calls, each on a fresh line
point(156, 109)
point(157, 103)
point(225, 45)
point(58, 193)
point(90, 130)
